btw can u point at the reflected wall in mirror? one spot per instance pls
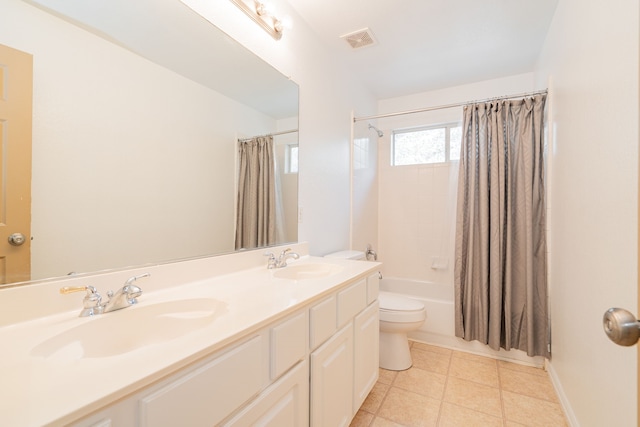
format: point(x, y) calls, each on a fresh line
point(137, 107)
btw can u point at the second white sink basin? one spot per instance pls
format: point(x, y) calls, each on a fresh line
point(307, 271)
point(131, 328)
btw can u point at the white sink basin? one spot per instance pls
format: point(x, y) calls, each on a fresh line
point(307, 271)
point(131, 328)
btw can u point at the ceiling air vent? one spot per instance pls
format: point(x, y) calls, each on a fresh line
point(360, 38)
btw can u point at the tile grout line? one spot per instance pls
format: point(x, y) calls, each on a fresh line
point(444, 390)
point(386, 393)
point(504, 412)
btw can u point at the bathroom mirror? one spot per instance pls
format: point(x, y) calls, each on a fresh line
point(137, 109)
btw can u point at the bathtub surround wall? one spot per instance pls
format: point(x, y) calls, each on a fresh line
point(590, 65)
point(416, 205)
point(364, 181)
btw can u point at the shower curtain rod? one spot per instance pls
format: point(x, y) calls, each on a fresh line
point(441, 107)
point(284, 132)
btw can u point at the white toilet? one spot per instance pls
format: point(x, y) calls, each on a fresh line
point(398, 316)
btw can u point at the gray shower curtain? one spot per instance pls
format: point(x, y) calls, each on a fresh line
point(500, 262)
point(256, 214)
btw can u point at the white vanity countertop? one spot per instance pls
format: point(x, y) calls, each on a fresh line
point(36, 390)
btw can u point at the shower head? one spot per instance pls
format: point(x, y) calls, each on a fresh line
point(378, 131)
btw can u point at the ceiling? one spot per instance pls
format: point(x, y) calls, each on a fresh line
point(424, 45)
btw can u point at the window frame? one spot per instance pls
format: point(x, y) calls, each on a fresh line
point(447, 148)
point(289, 149)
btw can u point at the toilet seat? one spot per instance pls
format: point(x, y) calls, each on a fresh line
point(399, 309)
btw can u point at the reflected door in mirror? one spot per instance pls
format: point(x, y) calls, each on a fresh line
point(16, 79)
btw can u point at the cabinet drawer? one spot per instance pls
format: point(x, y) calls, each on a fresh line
point(322, 321)
point(284, 404)
point(373, 287)
point(288, 343)
point(351, 301)
point(208, 394)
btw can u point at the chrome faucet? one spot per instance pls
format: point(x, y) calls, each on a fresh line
point(370, 253)
point(125, 296)
point(286, 254)
point(92, 302)
point(281, 261)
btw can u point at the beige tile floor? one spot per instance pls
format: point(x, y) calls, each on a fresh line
point(451, 388)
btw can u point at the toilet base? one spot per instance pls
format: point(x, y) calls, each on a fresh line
point(394, 351)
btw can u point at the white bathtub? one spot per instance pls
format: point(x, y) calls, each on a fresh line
point(439, 328)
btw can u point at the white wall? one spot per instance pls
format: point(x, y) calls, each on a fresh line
point(110, 149)
point(328, 94)
point(364, 200)
point(590, 63)
point(416, 206)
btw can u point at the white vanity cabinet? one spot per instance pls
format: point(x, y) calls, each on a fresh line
point(344, 369)
point(314, 367)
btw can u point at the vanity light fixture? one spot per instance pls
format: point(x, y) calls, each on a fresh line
point(261, 14)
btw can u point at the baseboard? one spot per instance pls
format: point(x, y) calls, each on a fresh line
point(475, 347)
point(564, 402)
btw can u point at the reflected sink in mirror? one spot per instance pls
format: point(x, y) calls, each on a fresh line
point(307, 271)
point(122, 331)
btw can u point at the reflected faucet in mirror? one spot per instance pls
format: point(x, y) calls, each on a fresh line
point(92, 302)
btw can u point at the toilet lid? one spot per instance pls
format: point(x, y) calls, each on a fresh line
point(390, 301)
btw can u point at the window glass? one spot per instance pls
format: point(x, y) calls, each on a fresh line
point(435, 144)
point(455, 140)
point(422, 146)
point(291, 159)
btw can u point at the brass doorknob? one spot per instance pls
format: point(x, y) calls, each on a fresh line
point(17, 239)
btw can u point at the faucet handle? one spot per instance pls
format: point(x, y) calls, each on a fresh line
point(132, 279)
point(71, 289)
point(91, 299)
point(133, 291)
point(272, 260)
point(285, 252)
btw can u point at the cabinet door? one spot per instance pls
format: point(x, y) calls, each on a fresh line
point(208, 394)
point(365, 354)
point(332, 381)
point(284, 404)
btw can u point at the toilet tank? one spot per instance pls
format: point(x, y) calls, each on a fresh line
point(359, 255)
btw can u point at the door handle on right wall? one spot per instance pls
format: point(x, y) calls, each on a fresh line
point(621, 326)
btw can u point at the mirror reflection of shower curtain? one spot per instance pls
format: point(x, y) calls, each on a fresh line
point(256, 214)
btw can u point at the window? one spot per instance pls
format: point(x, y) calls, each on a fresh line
point(434, 144)
point(291, 159)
